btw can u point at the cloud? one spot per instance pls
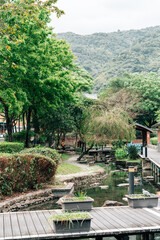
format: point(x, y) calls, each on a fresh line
point(90, 16)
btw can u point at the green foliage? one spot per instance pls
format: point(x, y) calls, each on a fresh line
point(121, 153)
point(47, 152)
point(109, 55)
point(154, 141)
point(11, 147)
point(24, 171)
point(19, 136)
point(118, 144)
point(70, 216)
point(147, 87)
point(101, 126)
point(133, 152)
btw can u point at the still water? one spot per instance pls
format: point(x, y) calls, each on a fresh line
point(113, 192)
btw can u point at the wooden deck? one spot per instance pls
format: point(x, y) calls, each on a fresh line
point(110, 221)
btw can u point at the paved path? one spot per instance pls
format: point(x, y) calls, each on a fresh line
point(85, 169)
point(153, 155)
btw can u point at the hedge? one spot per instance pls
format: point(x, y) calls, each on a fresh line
point(21, 172)
point(154, 141)
point(11, 147)
point(20, 136)
point(48, 152)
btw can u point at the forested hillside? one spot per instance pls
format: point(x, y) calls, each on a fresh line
point(107, 55)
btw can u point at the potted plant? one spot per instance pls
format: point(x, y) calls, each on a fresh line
point(79, 202)
point(71, 222)
point(142, 200)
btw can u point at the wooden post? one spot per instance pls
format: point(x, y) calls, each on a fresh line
point(122, 237)
point(99, 238)
point(145, 236)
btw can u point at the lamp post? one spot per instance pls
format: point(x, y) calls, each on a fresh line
point(131, 179)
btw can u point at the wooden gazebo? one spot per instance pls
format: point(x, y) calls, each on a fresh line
point(145, 133)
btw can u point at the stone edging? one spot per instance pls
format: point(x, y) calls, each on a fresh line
point(40, 196)
point(87, 181)
point(36, 197)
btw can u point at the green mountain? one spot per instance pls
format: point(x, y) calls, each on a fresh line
point(107, 55)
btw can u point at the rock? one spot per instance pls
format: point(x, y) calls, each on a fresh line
point(104, 187)
point(125, 199)
point(123, 185)
point(109, 203)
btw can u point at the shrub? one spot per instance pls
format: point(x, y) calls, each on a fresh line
point(48, 152)
point(20, 136)
point(121, 153)
point(132, 152)
point(118, 144)
point(24, 171)
point(154, 141)
point(11, 147)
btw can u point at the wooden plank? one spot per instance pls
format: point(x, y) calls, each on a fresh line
point(107, 221)
point(122, 215)
point(44, 222)
point(7, 226)
point(133, 218)
point(1, 226)
point(22, 224)
point(37, 224)
point(139, 216)
point(108, 216)
point(97, 221)
point(15, 225)
point(30, 225)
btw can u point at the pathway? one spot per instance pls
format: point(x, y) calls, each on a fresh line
point(86, 169)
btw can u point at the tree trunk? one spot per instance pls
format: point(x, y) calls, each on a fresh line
point(36, 122)
point(85, 152)
point(23, 117)
point(28, 127)
point(8, 123)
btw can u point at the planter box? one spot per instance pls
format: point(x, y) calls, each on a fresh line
point(77, 225)
point(142, 202)
point(70, 205)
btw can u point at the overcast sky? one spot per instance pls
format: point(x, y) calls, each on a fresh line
point(90, 16)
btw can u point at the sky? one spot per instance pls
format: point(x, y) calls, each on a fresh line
point(90, 16)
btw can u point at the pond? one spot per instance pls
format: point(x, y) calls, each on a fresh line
point(113, 192)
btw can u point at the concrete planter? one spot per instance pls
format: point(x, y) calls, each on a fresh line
point(139, 201)
point(78, 205)
point(77, 225)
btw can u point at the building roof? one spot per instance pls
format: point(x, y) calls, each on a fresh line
point(143, 128)
point(156, 125)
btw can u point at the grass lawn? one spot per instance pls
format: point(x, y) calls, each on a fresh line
point(65, 156)
point(66, 168)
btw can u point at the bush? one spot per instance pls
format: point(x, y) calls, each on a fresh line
point(118, 144)
point(48, 152)
point(154, 141)
point(11, 147)
point(132, 152)
point(121, 153)
point(24, 171)
point(20, 136)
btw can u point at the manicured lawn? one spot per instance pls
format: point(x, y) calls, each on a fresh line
point(66, 168)
point(65, 156)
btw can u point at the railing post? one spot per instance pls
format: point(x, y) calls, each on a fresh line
point(131, 179)
point(146, 153)
point(141, 150)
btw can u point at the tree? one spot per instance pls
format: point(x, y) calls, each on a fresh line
point(146, 88)
point(102, 126)
point(34, 64)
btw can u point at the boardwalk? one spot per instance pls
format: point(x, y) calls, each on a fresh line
point(154, 156)
point(112, 221)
